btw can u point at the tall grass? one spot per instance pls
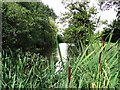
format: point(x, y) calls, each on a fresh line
point(86, 67)
point(0, 72)
point(30, 70)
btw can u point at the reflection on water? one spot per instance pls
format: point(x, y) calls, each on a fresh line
point(63, 50)
point(0, 55)
point(67, 50)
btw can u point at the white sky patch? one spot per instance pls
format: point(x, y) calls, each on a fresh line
point(108, 15)
point(56, 5)
point(59, 8)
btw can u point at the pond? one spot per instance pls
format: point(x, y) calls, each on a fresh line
point(67, 50)
point(63, 50)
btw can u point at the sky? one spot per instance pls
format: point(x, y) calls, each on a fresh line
point(59, 8)
point(56, 5)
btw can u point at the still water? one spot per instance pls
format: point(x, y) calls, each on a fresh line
point(63, 50)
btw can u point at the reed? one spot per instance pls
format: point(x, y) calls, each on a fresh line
point(33, 71)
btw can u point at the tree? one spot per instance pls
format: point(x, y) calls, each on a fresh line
point(80, 27)
point(107, 4)
point(29, 26)
point(114, 27)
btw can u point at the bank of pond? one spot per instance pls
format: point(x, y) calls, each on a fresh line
point(80, 70)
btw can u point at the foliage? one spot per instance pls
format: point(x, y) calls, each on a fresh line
point(107, 4)
point(113, 29)
point(32, 26)
point(81, 26)
point(30, 70)
point(27, 71)
point(60, 38)
point(28, 25)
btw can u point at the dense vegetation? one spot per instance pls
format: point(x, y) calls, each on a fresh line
point(80, 27)
point(29, 33)
point(33, 71)
point(28, 26)
point(114, 29)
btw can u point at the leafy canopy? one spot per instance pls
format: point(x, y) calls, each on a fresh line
point(28, 25)
point(81, 27)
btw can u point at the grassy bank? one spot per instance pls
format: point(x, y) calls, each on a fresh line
point(31, 70)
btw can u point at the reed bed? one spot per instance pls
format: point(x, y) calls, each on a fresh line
point(31, 70)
